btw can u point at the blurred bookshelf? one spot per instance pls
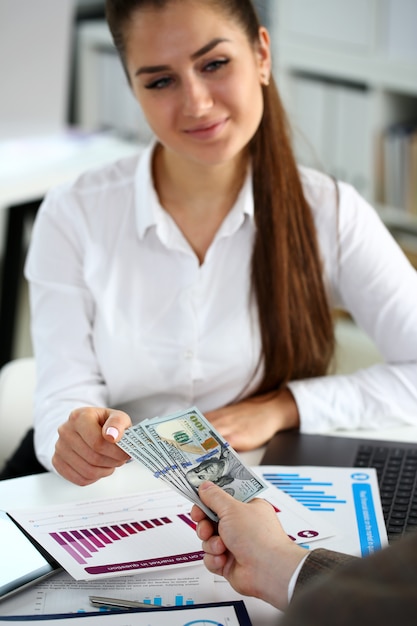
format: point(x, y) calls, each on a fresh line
point(347, 72)
point(103, 99)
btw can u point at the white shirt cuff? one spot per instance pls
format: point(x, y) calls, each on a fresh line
point(294, 577)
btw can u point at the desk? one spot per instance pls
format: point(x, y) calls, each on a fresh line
point(47, 489)
point(29, 169)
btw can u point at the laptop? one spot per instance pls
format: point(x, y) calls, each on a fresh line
point(395, 463)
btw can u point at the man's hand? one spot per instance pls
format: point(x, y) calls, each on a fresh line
point(248, 546)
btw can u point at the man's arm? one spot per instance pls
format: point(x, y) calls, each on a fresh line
point(379, 590)
point(320, 562)
point(332, 589)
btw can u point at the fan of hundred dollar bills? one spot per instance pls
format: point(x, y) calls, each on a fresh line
point(183, 449)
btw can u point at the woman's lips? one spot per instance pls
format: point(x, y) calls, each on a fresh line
point(207, 131)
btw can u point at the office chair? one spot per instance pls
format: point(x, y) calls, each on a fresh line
point(17, 385)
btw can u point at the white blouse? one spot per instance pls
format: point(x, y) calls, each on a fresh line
point(124, 316)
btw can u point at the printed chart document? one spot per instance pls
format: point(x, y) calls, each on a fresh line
point(221, 614)
point(146, 532)
point(62, 594)
point(180, 587)
point(348, 498)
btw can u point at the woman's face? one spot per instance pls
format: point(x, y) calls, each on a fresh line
point(197, 79)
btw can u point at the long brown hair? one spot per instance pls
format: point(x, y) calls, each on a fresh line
point(295, 320)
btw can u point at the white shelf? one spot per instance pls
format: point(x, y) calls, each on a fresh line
point(376, 72)
point(347, 70)
point(104, 98)
point(371, 42)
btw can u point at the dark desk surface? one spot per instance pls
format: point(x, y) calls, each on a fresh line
point(293, 448)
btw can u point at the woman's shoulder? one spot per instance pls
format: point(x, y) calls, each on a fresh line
point(111, 177)
point(328, 198)
point(313, 178)
point(342, 217)
point(319, 187)
point(97, 192)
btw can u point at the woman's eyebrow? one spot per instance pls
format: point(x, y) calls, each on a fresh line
point(209, 46)
point(153, 69)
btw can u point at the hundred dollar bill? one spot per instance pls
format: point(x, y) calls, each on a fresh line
point(184, 450)
point(155, 459)
point(201, 453)
point(137, 453)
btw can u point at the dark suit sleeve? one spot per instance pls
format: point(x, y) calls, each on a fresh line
point(320, 562)
point(379, 590)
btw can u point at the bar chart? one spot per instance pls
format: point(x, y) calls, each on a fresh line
point(81, 544)
point(346, 497)
point(126, 535)
point(315, 495)
point(179, 600)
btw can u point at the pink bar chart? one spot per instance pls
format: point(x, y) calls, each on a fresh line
point(81, 544)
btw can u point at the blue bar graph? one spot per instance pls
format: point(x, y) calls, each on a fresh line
point(316, 496)
point(159, 601)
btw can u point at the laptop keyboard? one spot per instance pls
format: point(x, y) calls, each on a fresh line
point(397, 477)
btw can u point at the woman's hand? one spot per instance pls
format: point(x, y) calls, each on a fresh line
point(251, 423)
point(86, 450)
point(248, 547)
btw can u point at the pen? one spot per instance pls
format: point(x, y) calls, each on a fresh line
point(120, 603)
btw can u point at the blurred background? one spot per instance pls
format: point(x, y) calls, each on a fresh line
point(346, 69)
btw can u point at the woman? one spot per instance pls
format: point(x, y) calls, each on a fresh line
point(205, 271)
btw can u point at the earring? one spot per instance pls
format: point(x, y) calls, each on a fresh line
point(265, 80)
